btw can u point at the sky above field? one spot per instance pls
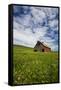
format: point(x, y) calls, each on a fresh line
point(32, 24)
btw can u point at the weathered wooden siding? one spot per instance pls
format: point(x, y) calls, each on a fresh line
point(40, 47)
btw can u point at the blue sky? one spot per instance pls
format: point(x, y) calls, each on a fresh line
point(31, 24)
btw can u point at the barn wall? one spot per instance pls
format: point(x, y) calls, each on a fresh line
point(47, 49)
point(40, 47)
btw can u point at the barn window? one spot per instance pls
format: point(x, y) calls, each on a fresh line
point(35, 50)
point(42, 50)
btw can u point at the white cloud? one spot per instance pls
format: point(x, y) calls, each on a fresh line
point(23, 28)
point(38, 15)
point(26, 35)
point(53, 24)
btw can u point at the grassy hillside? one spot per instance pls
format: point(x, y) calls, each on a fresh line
point(31, 67)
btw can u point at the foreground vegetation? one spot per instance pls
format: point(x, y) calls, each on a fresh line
point(31, 67)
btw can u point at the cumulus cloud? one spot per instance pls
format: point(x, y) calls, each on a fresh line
point(31, 24)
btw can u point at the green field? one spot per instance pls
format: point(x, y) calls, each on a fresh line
point(31, 67)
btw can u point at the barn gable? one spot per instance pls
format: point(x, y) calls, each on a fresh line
point(41, 47)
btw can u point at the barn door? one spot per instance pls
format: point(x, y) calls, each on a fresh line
point(42, 50)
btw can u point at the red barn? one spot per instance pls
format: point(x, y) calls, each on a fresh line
point(41, 47)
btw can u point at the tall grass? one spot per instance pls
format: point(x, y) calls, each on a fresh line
point(31, 67)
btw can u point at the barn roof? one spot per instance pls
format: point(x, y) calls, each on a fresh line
point(43, 44)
